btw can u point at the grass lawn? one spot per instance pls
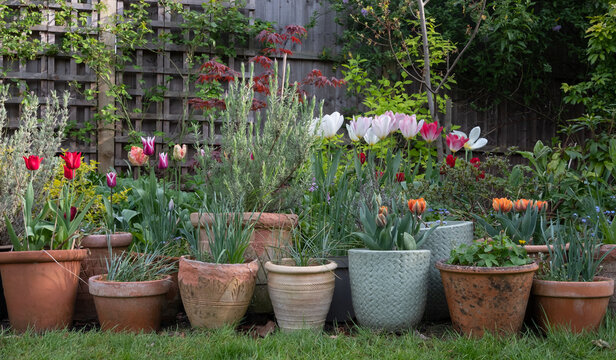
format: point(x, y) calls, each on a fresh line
point(361, 344)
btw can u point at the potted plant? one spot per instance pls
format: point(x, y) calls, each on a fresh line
point(487, 285)
point(217, 282)
point(301, 284)
point(130, 296)
point(101, 243)
point(40, 275)
point(256, 164)
point(568, 293)
point(389, 277)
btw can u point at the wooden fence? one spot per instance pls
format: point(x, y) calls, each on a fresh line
point(505, 125)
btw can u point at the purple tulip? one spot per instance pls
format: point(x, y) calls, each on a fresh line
point(163, 161)
point(111, 179)
point(148, 145)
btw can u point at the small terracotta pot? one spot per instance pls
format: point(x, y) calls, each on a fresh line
point(40, 287)
point(129, 306)
point(301, 295)
point(215, 295)
point(487, 299)
point(272, 231)
point(576, 306)
point(96, 264)
point(608, 268)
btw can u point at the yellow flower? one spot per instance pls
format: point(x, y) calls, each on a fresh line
point(522, 242)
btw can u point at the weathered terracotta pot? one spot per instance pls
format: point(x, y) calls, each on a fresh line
point(129, 306)
point(40, 287)
point(575, 306)
point(301, 295)
point(272, 231)
point(215, 295)
point(608, 268)
point(540, 253)
point(96, 264)
point(487, 299)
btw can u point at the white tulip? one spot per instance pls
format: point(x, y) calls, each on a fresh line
point(360, 125)
point(352, 133)
point(474, 141)
point(330, 124)
point(381, 126)
point(371, 137)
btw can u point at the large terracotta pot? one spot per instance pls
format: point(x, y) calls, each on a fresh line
point(301, 295)
point(389, 288)
point(487, 299)
point(341, 309)
point(40, 287)
point(129, 306)
point(96, 264)
point(215, 295)
point(272, 231)
point(608, 268)
point(440, 242)
point(575, 306)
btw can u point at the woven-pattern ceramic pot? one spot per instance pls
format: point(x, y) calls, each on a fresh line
point(389, 288)
point(440, 242)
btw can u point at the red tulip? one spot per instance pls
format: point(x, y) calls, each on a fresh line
point(69, 173)
point(362, 158)
point(72, 160)
point(400, 177)
point(163, 161)
point(455, 142)
point(451, 160)
point(33, 162)
point(73, 213)
point(430, 132)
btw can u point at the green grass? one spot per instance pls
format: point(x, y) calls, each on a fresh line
point(363, 344)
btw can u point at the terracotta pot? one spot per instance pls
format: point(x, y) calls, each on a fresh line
point(608, 268)
point(40, 287)
point(540, 253)
point(129, 306)
point(487, 299)
point(341, 309)
point(301, 295)
point(96, 264)
point(272, 231)
point(215, 295)
point(575, 306)
point(389, 288)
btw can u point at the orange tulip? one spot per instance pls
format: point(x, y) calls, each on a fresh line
point(502, 204)
point(521, 205)
point(417, 206)
point(381, 218)
point(541, 205)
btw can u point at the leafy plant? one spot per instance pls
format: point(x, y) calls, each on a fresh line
point(148, 266)
point(497, 252)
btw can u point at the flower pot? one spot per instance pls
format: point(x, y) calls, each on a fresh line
point(389, 288)
point(301, 295)
point(129, 306)
point(487, 299)
point(608, 269)
point(40, 287)
point(272, 231)
point(341, 309)
point(441, 241)
point(215, 295)
point(96, 264)
point(575, 306)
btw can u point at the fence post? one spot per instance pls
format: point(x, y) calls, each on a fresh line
point(106, 131)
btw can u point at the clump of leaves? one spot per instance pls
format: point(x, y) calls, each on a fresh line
point(127, 267)
point(497, 252)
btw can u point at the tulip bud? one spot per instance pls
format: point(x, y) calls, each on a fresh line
point(163, 161)
point(381, 218)
point(521, 205)
point(171, 205)
point(69, 173)
point(111, 179)
point(417, 206)
point(179, 152)
point(362, 158)
point(400, 177)
point(73, 213)
point(148, 145)
point(33, 162)
point(502, 205)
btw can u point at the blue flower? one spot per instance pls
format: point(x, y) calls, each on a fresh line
point(557, 28)
point(583, 220)
point(597, 209)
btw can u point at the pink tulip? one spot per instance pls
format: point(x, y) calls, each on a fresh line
point(455, 142)
point(111, 179)
point(136, 156)
point(148, 145)
point(430, 131)
point(409, 127)
point(163, 161)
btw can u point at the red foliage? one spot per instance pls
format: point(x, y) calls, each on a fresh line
point(215, 71)
point(208, 104)
point(264, 61)
point(257, 104)
point(316, 78)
